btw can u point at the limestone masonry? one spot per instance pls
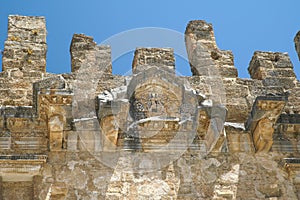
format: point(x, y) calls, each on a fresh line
point(150, 135)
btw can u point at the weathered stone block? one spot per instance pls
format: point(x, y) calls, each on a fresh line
point(204, 56)
point(285, 82)
point(24, 55)
point(72, 140)
point(228, 72)
point(268, 64)
point(264, 114)
point(201, 30)
point(162, 57)
point(27, 28)
point(270, 191)
point(26, 42)
point(57, 157)
point(17, 190)
point(238, 110)
point(238, 139)
point(85, 53)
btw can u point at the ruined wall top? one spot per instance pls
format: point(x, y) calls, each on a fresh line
point(85, 51)
point(205, 57)
point(201, 30)
point(23, 59)
point(87, 116)
point(163, 57)
point(25, 47)
point(27, 28)
point(274, 68)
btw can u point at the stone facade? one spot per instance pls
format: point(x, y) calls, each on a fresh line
point(151, 135)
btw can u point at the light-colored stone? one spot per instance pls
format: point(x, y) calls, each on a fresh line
point(151, 135)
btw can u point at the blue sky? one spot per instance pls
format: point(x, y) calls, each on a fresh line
point(240, 26)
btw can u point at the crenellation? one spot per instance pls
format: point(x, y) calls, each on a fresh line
point(204, 55)
point(271, 65)
point(201, 30)
point(25, 47)
point(27, 28)
point(83, 49)
point(24, 58)
point(90, 134)
point(144, 57)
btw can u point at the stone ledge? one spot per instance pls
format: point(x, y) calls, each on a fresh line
point(21, 167)
point(290, 164)
point(20, 158)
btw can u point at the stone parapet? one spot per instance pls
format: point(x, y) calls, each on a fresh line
point(23, 60)
point(25, 47)
point(85, 52)
point(145, 57)
point(91, 134)
point(275, 69)
point(205, 57)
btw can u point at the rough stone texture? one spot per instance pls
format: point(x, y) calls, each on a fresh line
point(297, 43)
point(17, 190)
point(201, 44)
point(275, 69)
point(144, 57)
point(263, 117)
point(25, 47)
point(23, 60)
point(84, 48)
point(152, 135)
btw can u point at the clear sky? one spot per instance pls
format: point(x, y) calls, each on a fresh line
point(240, 26)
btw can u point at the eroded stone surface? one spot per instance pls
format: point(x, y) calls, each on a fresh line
point(201, 44)
point(23, 60)
point(162, 57)
point(85, 51)
point(153, 135)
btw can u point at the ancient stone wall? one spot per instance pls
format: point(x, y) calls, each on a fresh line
point(163, 57)
point(84, 48)
point(23, 60)
point(152, 135)
point(201, 45)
